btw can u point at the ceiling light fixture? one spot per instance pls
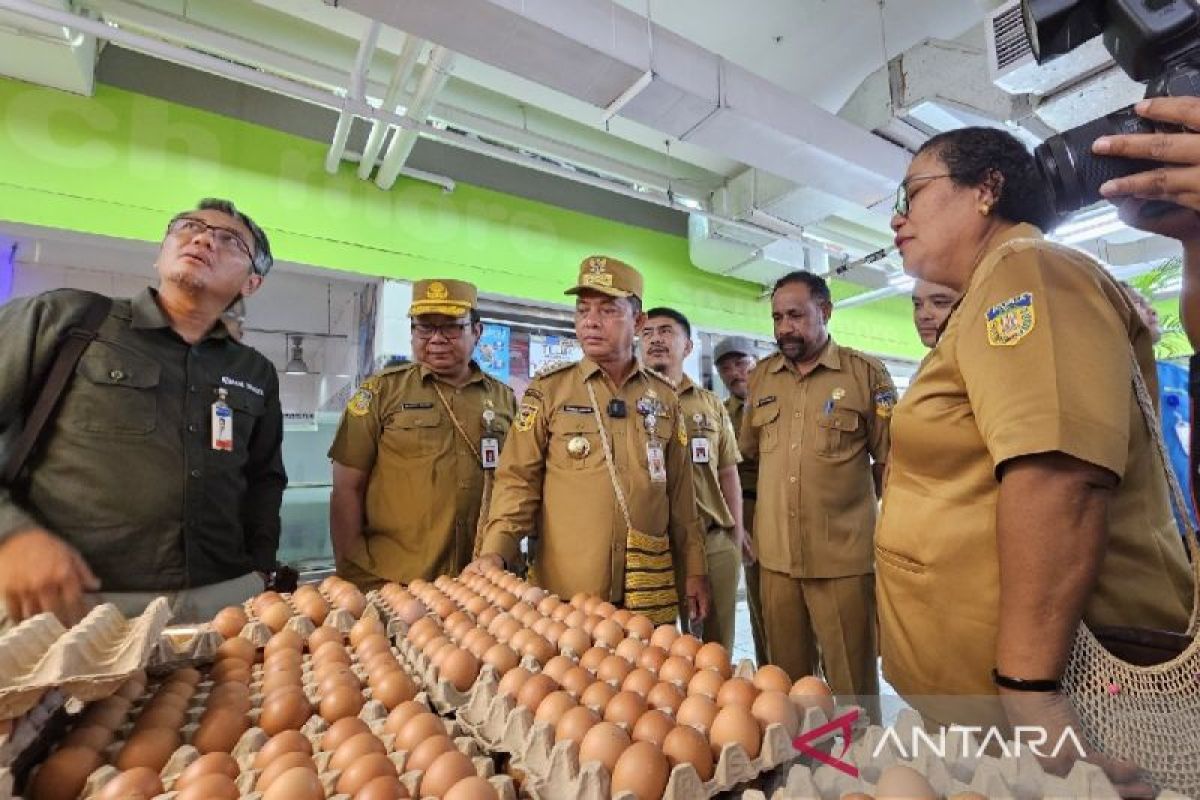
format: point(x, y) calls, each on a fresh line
point(296, 366)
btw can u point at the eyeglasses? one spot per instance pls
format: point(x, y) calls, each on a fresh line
point(226, 239)
point(451, 330)
point(904, 199)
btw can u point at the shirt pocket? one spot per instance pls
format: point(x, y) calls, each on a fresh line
point(566, 449)
point(837, 432)
point(248, 409)
point(765, 421)
point(115, 394)
point(415, 433)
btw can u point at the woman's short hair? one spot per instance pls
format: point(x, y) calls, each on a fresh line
point(975, 155)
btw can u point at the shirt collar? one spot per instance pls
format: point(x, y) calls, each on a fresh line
point(147, 314)
point(831, 358)
point(477, 374)
point(590, 368)
point(685, 385)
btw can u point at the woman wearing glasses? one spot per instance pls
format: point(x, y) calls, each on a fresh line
point(1024, 493)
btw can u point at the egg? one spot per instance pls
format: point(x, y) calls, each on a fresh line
point(677, 670)
point(284, 640)
point(630, 649)
point(355, 748)
point(738, 692)
point(93, 737)
point(664, 635)
point(370, 645)
point(734, 724)
point(772, 707)
point(424, 753)
point(502, 657)
point(297, 783)
point(342, 730)
point(331, 651)
point(574, 724)
point(642, 770)
point(604, 743)
point(284, 709)
point(574, 641)
point(289, 741)
point(417, 730)
point(553, 706)
point(576, 680)
point(592, 658)
point(445, 771)
point(686, 646)
point(665, 696)
point(625, 708)
point(899, 782)
point(534, 690)
point(281, 764)
point(107, 713)
point(323, 635)
point(239, 648)
point(229, 621)
point(640, 681)
point(812, 692)
point(148, 748)
point(343, 701)
point(63, 775)
point(714, 656)
point(613, 669)
point(365, 769)
point(772, 678)
point(382, 788)
point(460, 668)
point(231, 670)
point(705, 682)
point(651, 658)
point(211, 786)
point(364, 626)
point(169, 717)
point(557, 667)
point(210, 764)
point(276, 616)
point(597, 695)
point(393, 688)
point(608, 633)
point(686, 745)
point(697, 711)
point(220, 731)
point(401, 714)
point(640, 626)
point(653, 727)
point(139, 783)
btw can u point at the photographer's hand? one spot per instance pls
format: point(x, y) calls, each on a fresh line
point(1178, 181)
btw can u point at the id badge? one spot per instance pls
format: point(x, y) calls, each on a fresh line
point(656, 462)
point(489, 452)
point(222, 424)
point(1183, 429)
point(700, 453)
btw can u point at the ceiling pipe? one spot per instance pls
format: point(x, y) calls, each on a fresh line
point(391, 99)
point(320, 97)
point(437, 72)
point(362, 62)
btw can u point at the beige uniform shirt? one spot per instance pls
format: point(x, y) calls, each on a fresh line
point(748, 467)
point(426, 482)
point(712, 446)
point(1036, 359)
point(815, 438)
point(568, 497)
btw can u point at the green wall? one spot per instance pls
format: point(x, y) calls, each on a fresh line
point(120, 163)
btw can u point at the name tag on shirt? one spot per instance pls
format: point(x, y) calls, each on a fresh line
point(222, 426)
point(700, 454)
point(489, 452)
point(656, 462)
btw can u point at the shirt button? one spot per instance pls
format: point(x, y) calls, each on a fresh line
point(192, 388)
point(796, 415)
point(195, 473)
point(193, 428)
point(792, 479)
point(116, 375)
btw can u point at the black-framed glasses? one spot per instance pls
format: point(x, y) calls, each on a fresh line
point(904, 199)
point(226, 239)
point(451, 330)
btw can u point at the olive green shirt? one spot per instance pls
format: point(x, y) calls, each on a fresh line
point(125, 471)
point(712, 446)
point(426, 482)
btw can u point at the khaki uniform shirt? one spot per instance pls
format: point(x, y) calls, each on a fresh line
point(748, 467)
point(712, 446)
point(569, 499)
point(125, 471)
point(1035, 359)
point(426, 482)
point(815, 437)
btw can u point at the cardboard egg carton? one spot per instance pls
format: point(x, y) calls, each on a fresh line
point(445, 696)
point(88, 661)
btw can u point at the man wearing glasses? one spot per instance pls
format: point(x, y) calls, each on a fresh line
point(160, 471)
point(416, 448)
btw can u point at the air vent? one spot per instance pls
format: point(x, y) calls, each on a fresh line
point(1009, 42)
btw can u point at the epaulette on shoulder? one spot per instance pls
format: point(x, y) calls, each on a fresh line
point(553, 367)
point(393, 370)
point(861, 356)
point(674, 386)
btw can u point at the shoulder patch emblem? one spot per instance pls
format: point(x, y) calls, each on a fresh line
point(526, 417)
point(885, 401)
point(553, 367)
point(360, 402)
point(1010, 321)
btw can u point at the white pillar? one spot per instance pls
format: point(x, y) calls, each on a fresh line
point(392, 334)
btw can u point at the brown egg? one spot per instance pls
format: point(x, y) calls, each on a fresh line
point(811, 692)
point(630, 649)
point(298, 783)
point(705, 682)
point(283, 661)
point(460, 668)
point(608, 633)
point(574, 641)
point(63, 775)
point(332, 651)
point(276, 616)
point(265, 600)
point(365, 769)
point(364, 626)
point(231, 670)
point(108, 713)
point(139, 783)
point(229, 621)
point(343, 679)
point(625, 707)
point(148, 748)
point(424, 753)
point(665, 696)
point(93, 737)
point(401, 714)
point(323, 635)
point(640, 626)
point(273, 682)
point(353, 601)
point(642, 770)
point(228, 692)
point(170, 717)
point(734, 724)
point(342, 730)
point(769, 677)
point(417, 730)
point(574, 724)
point(534, 690)
point(284, 640)
point(899, 782)
point(593, 657)
point(371, 645)
point(539, 649)
point(284, 709)
point(343, 701)
point(210, 764)
point(393, 689)
point(677, 670)
point(686, 646)
point(653, 727)
point(686, 745)
point(212, 786)
point(640, 681)
point(604, 743)
point(553, 706)
point(714, 656)
point(383, 788)
point(380, 663)
point(651, 658)
point(188, 675)
point(290, 741)
point(355, 748)
point(771, 707)
point(562, 611)
point(597, 695)
point(663, 636)
point(737, 691)
point(239, 648)
point(613, 669)
point(697, 711)
point(502, 657)
point(220, 731)
point(576, 680)
point(445, 771)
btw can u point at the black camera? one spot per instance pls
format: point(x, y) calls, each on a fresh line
point(1156, 42)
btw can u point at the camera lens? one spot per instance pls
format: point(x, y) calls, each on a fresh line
point(1074, 173)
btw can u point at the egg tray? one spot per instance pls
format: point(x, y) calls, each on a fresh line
point(88, 661)
point(338, 618)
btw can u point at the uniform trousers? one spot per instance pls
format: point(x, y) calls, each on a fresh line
point(723, 558)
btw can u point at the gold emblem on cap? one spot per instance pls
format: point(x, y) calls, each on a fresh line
point(579, 447)
point(436, 291)
point(597, 265)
